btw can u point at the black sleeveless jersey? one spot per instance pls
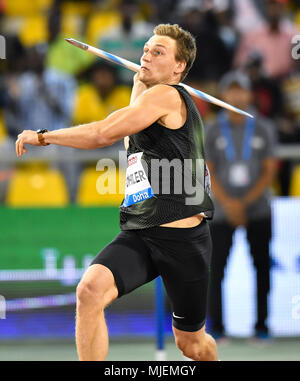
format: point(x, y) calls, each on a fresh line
point(174, 163)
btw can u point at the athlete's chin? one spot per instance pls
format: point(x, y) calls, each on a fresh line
point(144, 77)
point(149, 81)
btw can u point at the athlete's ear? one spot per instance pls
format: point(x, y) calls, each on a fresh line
point(180, 67)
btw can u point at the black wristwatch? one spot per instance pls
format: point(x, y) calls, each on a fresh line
point(41, 138)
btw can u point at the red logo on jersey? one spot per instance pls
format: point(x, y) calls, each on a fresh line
point(132, 160)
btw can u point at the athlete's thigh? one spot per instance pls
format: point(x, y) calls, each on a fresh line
point(129, 260)
point(186, 278)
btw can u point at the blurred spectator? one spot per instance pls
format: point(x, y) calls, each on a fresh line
point(39, 98)
point(61, 55)
point(166, 10)
point(268, 100)
point(44, 98)
point(272, 40)
point(11, 73)
point(267, 94)
point(240, 155)
point(213, 58)
point(127, 40)
point(11, 70)
point(295, 10)
point(227, 29)
point(214, 55)
point(2, 9)
point(291, 92)
point(289, 132)
point(248, 14)
point(101, 95)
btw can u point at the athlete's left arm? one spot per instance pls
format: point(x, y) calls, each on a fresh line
point(153, 104)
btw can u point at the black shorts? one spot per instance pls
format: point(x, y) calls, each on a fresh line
point(180, 255)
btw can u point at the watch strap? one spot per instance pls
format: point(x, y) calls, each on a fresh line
point(42, 139)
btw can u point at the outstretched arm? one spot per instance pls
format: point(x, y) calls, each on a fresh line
point(150, 106)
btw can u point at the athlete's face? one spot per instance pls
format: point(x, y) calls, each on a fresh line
point(158, 63)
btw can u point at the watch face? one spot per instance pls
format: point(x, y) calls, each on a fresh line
point(41, 131)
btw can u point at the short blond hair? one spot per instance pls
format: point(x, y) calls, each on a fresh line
point(186, 44)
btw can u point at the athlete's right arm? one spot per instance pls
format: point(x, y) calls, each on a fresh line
point(137, 89)
point(155, 103)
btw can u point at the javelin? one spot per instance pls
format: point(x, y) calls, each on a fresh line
point(135, 67)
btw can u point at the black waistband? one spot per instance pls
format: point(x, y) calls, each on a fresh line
point(174, 233)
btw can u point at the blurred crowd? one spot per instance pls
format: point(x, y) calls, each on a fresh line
point(47, 83)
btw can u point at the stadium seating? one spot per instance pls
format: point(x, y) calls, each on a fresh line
point(71, 25)
point(99, 23)
point(3, 132)
point(26, 8)
point(34, 30)
point(89, 106)
point(295, 182)
point(93, 182)
point(80, 8)
point(37, 187)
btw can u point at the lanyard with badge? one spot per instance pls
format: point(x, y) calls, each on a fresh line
point(239, 173)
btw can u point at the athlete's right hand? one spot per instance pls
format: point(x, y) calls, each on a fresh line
point(136, 77)
point(137, 83)
point(26, 137)
point(138, 87)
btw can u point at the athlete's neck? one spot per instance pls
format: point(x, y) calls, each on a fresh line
point(168, 82)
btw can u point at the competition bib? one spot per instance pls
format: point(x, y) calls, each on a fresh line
point(137, 187)
point(239, 175)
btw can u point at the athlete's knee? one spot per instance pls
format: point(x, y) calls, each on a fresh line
point(97, 292)
point(86, 292)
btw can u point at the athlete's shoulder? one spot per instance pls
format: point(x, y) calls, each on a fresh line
point(162, 90)
point(163, 96)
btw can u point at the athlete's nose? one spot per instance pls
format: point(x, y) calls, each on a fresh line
point(146, 57)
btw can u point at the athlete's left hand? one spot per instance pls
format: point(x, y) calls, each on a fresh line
point(26, 137)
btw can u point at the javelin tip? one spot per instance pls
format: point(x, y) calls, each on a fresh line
point(249, 115)
point(79, 44)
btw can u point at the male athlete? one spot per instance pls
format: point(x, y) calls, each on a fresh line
point(161, 233)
